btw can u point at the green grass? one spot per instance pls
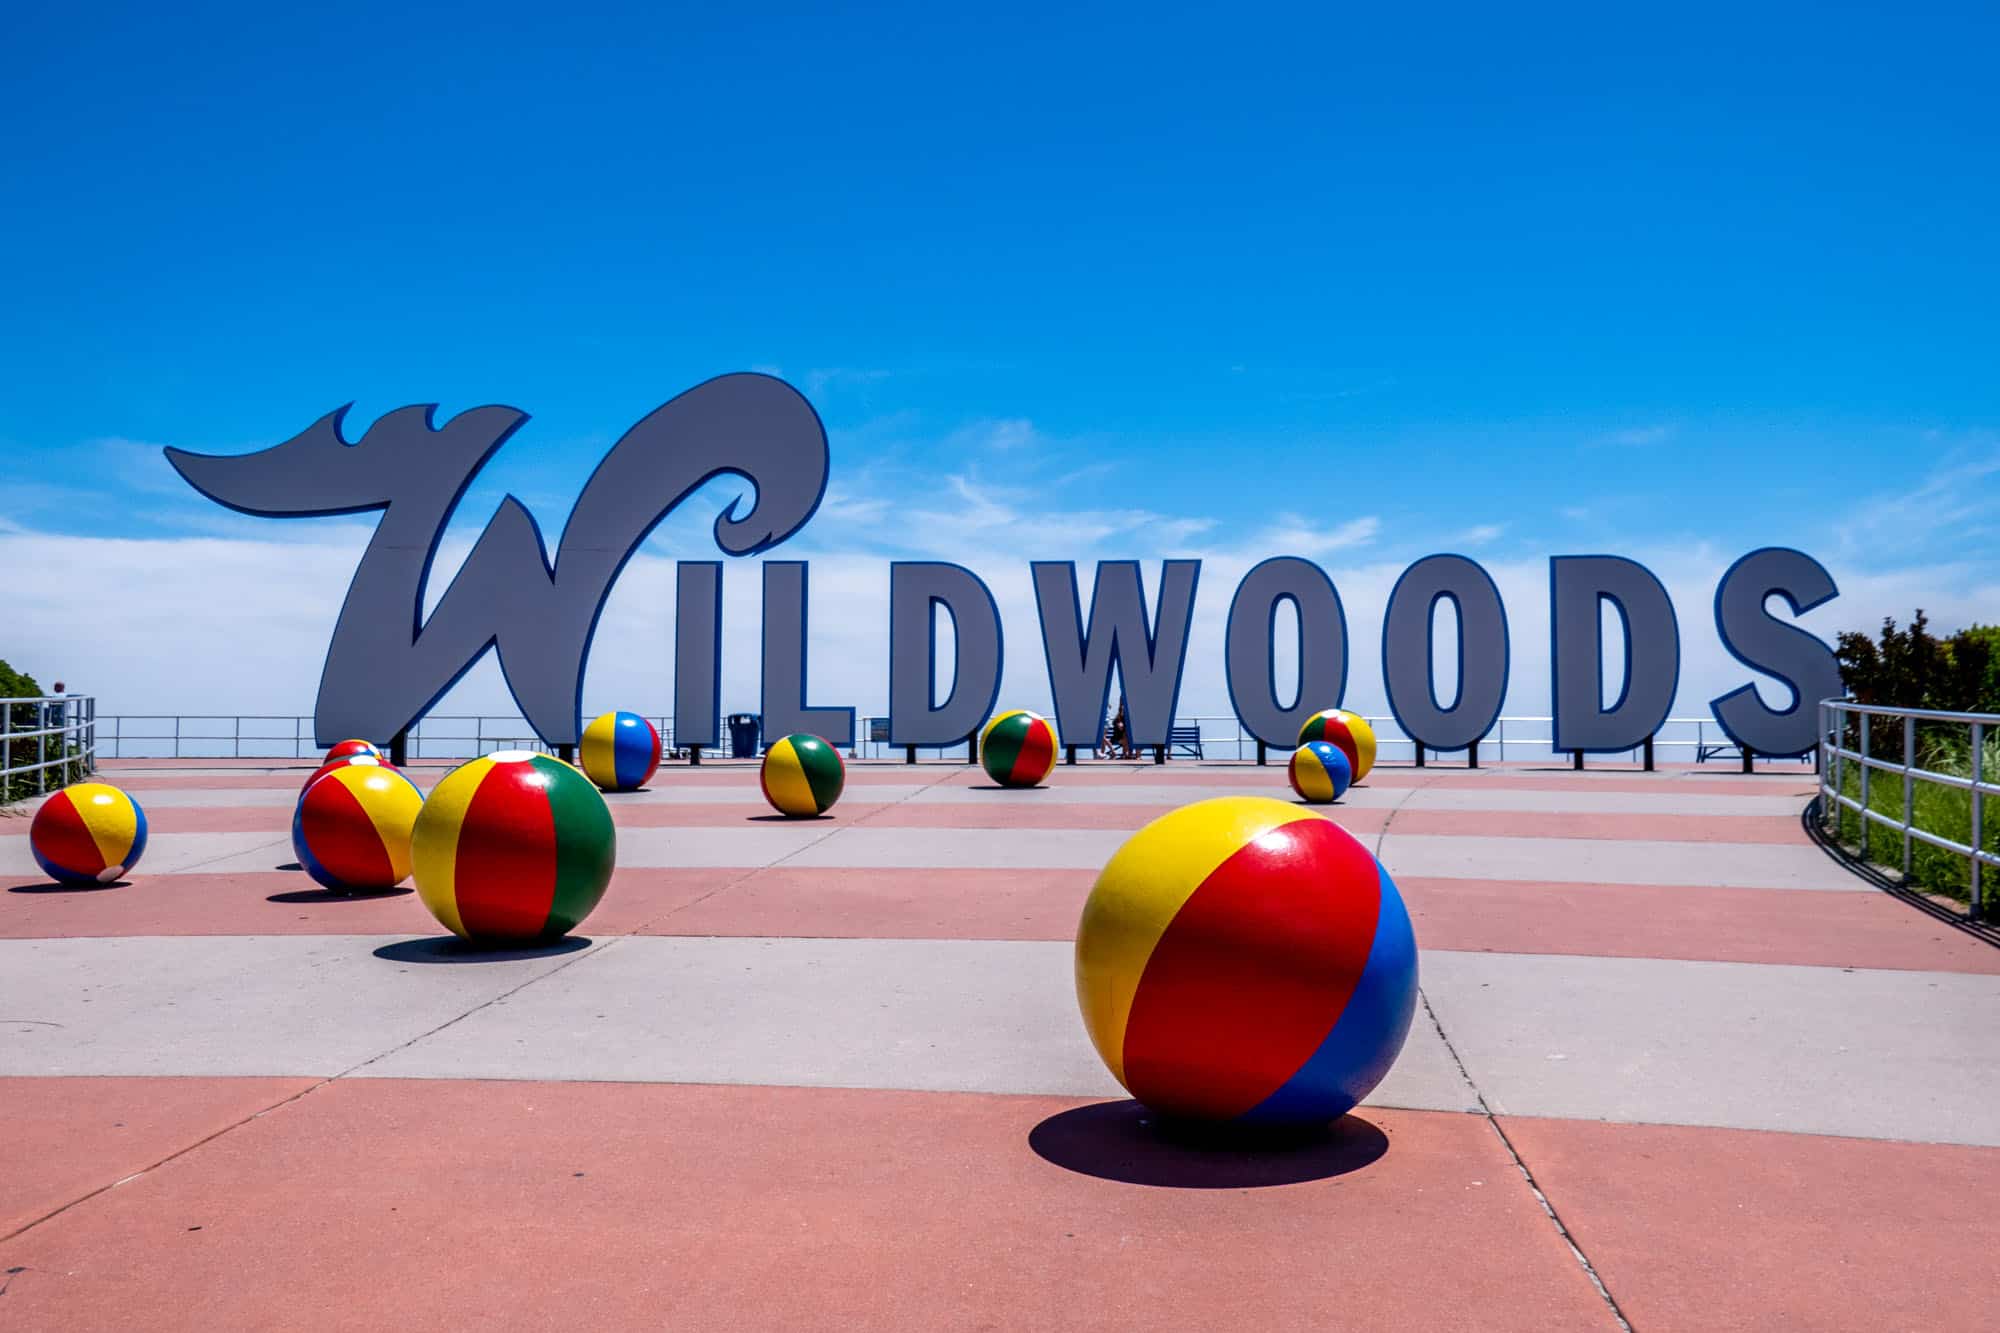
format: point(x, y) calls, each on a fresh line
point(1944, 811)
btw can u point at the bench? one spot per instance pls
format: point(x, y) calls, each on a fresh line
point(1185, 740)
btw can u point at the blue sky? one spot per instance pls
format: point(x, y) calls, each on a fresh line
point(1362, 285)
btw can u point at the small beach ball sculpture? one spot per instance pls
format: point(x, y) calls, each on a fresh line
point(343, 749)
point(620, 752)
point(347, 761)
point(513, 848)
point(802, 776)
point(1019, 748)
point(1320, 772)
point(352, 828)
point(1349, 731)
point(1244, 960)
point(89, 833)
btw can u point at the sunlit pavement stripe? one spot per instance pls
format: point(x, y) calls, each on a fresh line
point(1814, 1050)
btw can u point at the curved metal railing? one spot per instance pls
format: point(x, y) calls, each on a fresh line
point(1851, 739)
point(46, 743)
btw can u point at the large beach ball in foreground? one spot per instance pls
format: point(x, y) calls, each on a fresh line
point(89, 833)
point(802, 776)
point(1319, 772)
point(513, 848)
point(1018, 748)
point(342, 749)
point(1349, 731)
point(620, 751)
point(1245, 960)
point(351, 830)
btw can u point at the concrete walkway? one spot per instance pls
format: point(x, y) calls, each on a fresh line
point(1674, 1069)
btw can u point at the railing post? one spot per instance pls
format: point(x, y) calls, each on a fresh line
point(1974, 877)
point(6, 751)
point(177, 735)
point(1909, 788)
point(1866, 754)
point(236, 738)
point(41, 751)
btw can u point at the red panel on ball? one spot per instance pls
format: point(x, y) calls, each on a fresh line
point(506, 872)
point(342, 837)
point(61, 835)
point(1253, 973)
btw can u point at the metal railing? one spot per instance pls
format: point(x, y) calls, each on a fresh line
point(1842, 720)
point(466, 735)
point(62, 731)
point(287, 736)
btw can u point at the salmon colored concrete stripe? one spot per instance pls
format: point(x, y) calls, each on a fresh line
point(289, 903)
point(1738, 1231)
point(66, 1138)
point(1796, 926)
point(636, 1206)
point(1004, 811)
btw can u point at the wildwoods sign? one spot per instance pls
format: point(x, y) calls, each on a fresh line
point(387, 664)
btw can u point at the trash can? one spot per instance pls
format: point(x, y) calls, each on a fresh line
point(743, 735)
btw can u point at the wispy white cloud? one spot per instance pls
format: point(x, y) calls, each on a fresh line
point(1482, 535)
point(1638, 437)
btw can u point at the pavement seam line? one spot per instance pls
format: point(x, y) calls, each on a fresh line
point(1493, 1123)
point(175, 1155)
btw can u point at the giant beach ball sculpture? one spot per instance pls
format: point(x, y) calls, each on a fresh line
point(342, 749)
point(1018, 748)
point(1244, 960)
point(620, 752)
point(1349, 731)
point(1319, 772)
point(802, 776)
point(513, 848)
point(352, 827)
point(88, 833)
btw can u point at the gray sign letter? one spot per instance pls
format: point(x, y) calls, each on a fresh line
point(785, 707)
point(1764, 643)
point(1149, 665)
point(1578, 587)
point(698, 652)
point(1408, 627)
point(387, 665)
point(917, 588)
point(1248, 654)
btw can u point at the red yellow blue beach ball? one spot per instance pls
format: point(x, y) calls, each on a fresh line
point(351, 830)
point(1320, 772)
point(1018, 748)
point(89, 833)
point(342, 749)
point(1244, 960)
point(513, 848)
point(802, 776)
point(620, 751)
point(1349, 731)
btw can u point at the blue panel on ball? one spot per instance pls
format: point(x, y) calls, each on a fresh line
point(1367, 1037)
